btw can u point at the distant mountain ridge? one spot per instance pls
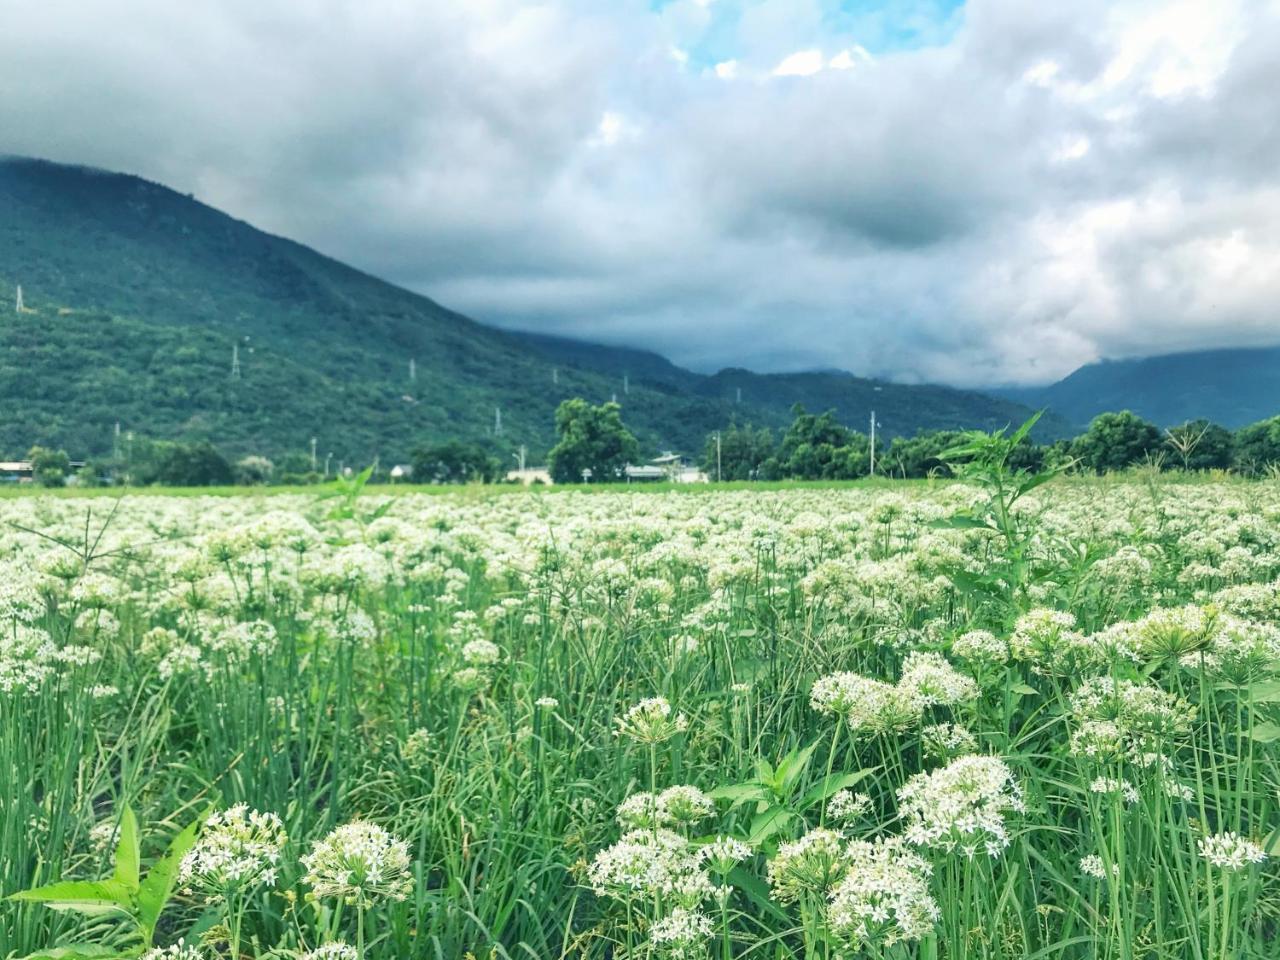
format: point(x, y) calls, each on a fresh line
point(1232, 387)
point(137, 296)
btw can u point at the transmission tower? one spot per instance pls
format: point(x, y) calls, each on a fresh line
point(235, 361)
point(555, 375)
point(626, 385)
point(17, 304)
point(497, 421)
point(413, 369)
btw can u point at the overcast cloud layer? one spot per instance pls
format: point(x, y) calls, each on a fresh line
point(993, 193)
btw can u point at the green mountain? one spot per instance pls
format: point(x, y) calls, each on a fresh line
point(136, 298)
point(1230, 387)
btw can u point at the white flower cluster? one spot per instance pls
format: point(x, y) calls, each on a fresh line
point(651, 721)
point(359, 863)
point(679, 805)
point(1230, 851)
point(874, 706)
point(808, 867)
point(178, 951)
point(653, 863)
point(334, 950)
point(237, 849)
point(962, 805)
point(883, 897)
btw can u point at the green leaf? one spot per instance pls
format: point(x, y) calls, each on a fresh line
point(1265, 691)
point(82, 951)
point(1266, 732)
point(739, 793)
point(772, 821)
point(757, 892)
point(832, 784)
point(158, 885)
point(128, 851)
point(794, 765)
point(91, 897)
point(1023, 430)
point(1023, 690)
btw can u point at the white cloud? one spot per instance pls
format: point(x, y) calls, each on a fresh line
point(1056, 183)
point(850, 58)
point(802, 63)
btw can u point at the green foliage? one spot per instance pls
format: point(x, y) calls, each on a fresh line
point(254, 471)
point(454, 461)
point(989, 461)
point(591, 438)
point(742, 453)
point(1201, 445)
point(49, 467)
point(1258, 445)
point(817, 447)
point(1115, 441)
point(192, 465)
point(126, 896)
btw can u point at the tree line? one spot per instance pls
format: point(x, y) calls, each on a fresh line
point(818, 447)
point(594, 445)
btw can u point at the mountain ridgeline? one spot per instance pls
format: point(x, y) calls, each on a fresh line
point(1230, 387)
point(137, 298)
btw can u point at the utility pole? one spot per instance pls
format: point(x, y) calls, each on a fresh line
point(413, 369)
point(235, 361)
point(615, 398)
point(17, 303)
point(873, 443)
point(555, 376)
point(717, 456)
point(115, 444)
point(497, 421)
point(327, 457)
point(738, 398)
point(520, 456)
point(313, 454)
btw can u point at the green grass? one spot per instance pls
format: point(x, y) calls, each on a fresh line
point(329, 662)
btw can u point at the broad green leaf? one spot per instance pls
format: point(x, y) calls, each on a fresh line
point(128, 851)
point(757, 892)
point(158, 885)
point(1265, 691)
point(82, 951)
point(1266, 732)
point(739, 793)
point(796, 763)
point(84, 896)
point(1023, 690)
point(832, 784)
point(769, 823)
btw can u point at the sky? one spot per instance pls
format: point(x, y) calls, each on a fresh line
point(990, 192)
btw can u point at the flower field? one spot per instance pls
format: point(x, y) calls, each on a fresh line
point(942, 720)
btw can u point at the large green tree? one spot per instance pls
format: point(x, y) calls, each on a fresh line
point(591, 438)
point(817, 447)
point(453, 462)
point(742, 454)
point(1117, 440)
point(1257, 446)
point(49, 468)
point(193, 465)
